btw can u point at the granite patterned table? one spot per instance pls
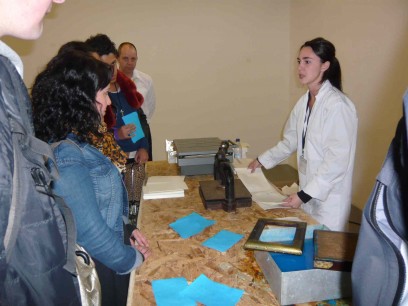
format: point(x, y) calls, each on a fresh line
point(177, 257)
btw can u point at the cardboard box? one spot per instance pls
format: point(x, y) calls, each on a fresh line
point(302, 286)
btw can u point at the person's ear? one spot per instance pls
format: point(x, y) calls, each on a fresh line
point(325, 66)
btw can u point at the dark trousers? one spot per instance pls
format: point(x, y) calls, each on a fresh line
point(114, 287)
point(149, 139)
point(146, 131)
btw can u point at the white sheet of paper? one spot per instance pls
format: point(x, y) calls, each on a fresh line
point(269, 199)
point(160, 188)
point(267, 206)
point(254, 182)
point(164, 195)
point(168, 180)
point(270, 196)
point(263, 193)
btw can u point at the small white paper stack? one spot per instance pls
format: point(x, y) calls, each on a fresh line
point(162, 187)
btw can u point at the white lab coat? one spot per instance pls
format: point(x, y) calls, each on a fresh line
point(329, 150)
point(144, 84)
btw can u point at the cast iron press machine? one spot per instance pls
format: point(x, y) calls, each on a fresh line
point(224, 191)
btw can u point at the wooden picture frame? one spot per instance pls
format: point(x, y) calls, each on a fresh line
point(294, 247)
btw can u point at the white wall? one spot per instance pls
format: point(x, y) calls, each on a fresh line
point(227, 68)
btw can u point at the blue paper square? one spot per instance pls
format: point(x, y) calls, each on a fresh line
point(167, 292)
point(223, 240)
point(191, 225)
point(134, 118)
point(211, 293)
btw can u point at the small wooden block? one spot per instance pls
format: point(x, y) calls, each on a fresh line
point(334, 250)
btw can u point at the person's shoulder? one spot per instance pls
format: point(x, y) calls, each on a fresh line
point(334, 95)
point(335, 99)
point(67, 150)
point(10, 55)
point(142, 75)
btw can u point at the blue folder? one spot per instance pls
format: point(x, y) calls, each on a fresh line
point(134, 118)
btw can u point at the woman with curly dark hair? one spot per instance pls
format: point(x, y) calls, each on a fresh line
point(69, 101)
point(64, 97)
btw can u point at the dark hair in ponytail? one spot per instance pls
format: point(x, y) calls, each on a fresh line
point(326, 51)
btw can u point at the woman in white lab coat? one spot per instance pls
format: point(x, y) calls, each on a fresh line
point(322, 128)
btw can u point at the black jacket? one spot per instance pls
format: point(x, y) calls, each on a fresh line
point(33, 233)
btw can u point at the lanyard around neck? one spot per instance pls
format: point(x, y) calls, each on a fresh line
point(305, 124)
point(119, 108)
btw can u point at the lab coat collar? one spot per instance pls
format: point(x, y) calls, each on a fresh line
point(323, 89)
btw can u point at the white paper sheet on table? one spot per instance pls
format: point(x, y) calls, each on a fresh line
point(263, 193)
point(268, 197)
point(254, 182)
point(161, 187)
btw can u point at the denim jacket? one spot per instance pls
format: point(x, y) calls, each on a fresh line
point(93, 188)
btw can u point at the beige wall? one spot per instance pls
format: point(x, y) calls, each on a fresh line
point(227, 68)
point(220, 68)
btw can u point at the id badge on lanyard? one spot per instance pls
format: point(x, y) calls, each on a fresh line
point(302, 165)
